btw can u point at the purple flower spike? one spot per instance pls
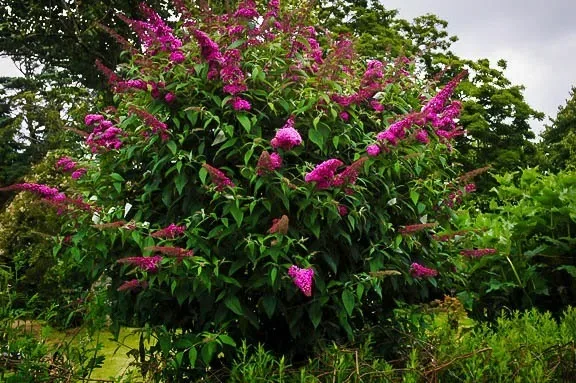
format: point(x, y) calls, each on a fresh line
point(302, 278)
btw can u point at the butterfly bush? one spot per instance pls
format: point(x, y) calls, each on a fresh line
point(266, 180)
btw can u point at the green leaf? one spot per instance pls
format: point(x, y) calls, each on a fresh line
point(269, 304)
point(414, 196)
point(348, 300)
point(227, 340)
point(207, 352)
point(420, 207)
point(117, 177)
point(236, 44)
point(273, 274)
point(315, 313)
point(316, 137)
point(172, 146)
point(248, 155)
point(203, 173)
point(181, 180)
point(359, 291)
point(245, 122)
point(238, 214)
point(233, 303)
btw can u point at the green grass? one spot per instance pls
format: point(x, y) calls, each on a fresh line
point(116, 362)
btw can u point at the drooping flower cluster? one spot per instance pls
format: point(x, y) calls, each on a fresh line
point(349, 175)
point(157, 126)
point(66, 164)
point(419, 271)
point(155, 88)
point(410, 229)
point(239, 104)
point(435, 112)
point(247, 10)
point(170, 232)
point(133, 285)
point(302, 278)
point(155, 35)
point(41, 190)
point(477, 253)
point(279, 225)
point(268, 163)
point(149, 264)
point(218, 178)
point(104, 135)
point(286, 137)
point(172, 251)
point(323, 174)
point(209, 49)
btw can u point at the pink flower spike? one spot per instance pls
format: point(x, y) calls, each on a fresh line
point(287, 137)
point(419, 271)
point(477, 253)
point(323, 174)
point(66, 164)
point(132, 285)
point(93, 118)
point(218, 178)
point(342, 210)
point(240, 104)
point(268, 163)
point(149, 264)
point(170, 232)
point(302, 278)
point(470, 188)
point(177, 57)
point(422, 136)
point(77, 174)
point(169, 97)
point(373, 150)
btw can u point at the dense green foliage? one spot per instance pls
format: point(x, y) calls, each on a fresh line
point(354, 240)
point(251, 179)
point(530, 220)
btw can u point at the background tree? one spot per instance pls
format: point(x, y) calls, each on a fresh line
point(495, 113)
point(559, 139)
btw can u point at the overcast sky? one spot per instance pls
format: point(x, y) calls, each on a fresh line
point(537, 38)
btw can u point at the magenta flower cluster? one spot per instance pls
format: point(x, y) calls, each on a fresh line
point(133, 285)
point(218, 178)
point(104, 135)
point(171, 231)
point(419, 271)
point(150, 120)
point(41, 190)
point(435, 112)
point(286, 137)
point(268, 163)
point(477, 253)
point(155, 35)
point(302, 278)
point(323, 174)
point(247, 10)
point(149, 264)
point(67, 165)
